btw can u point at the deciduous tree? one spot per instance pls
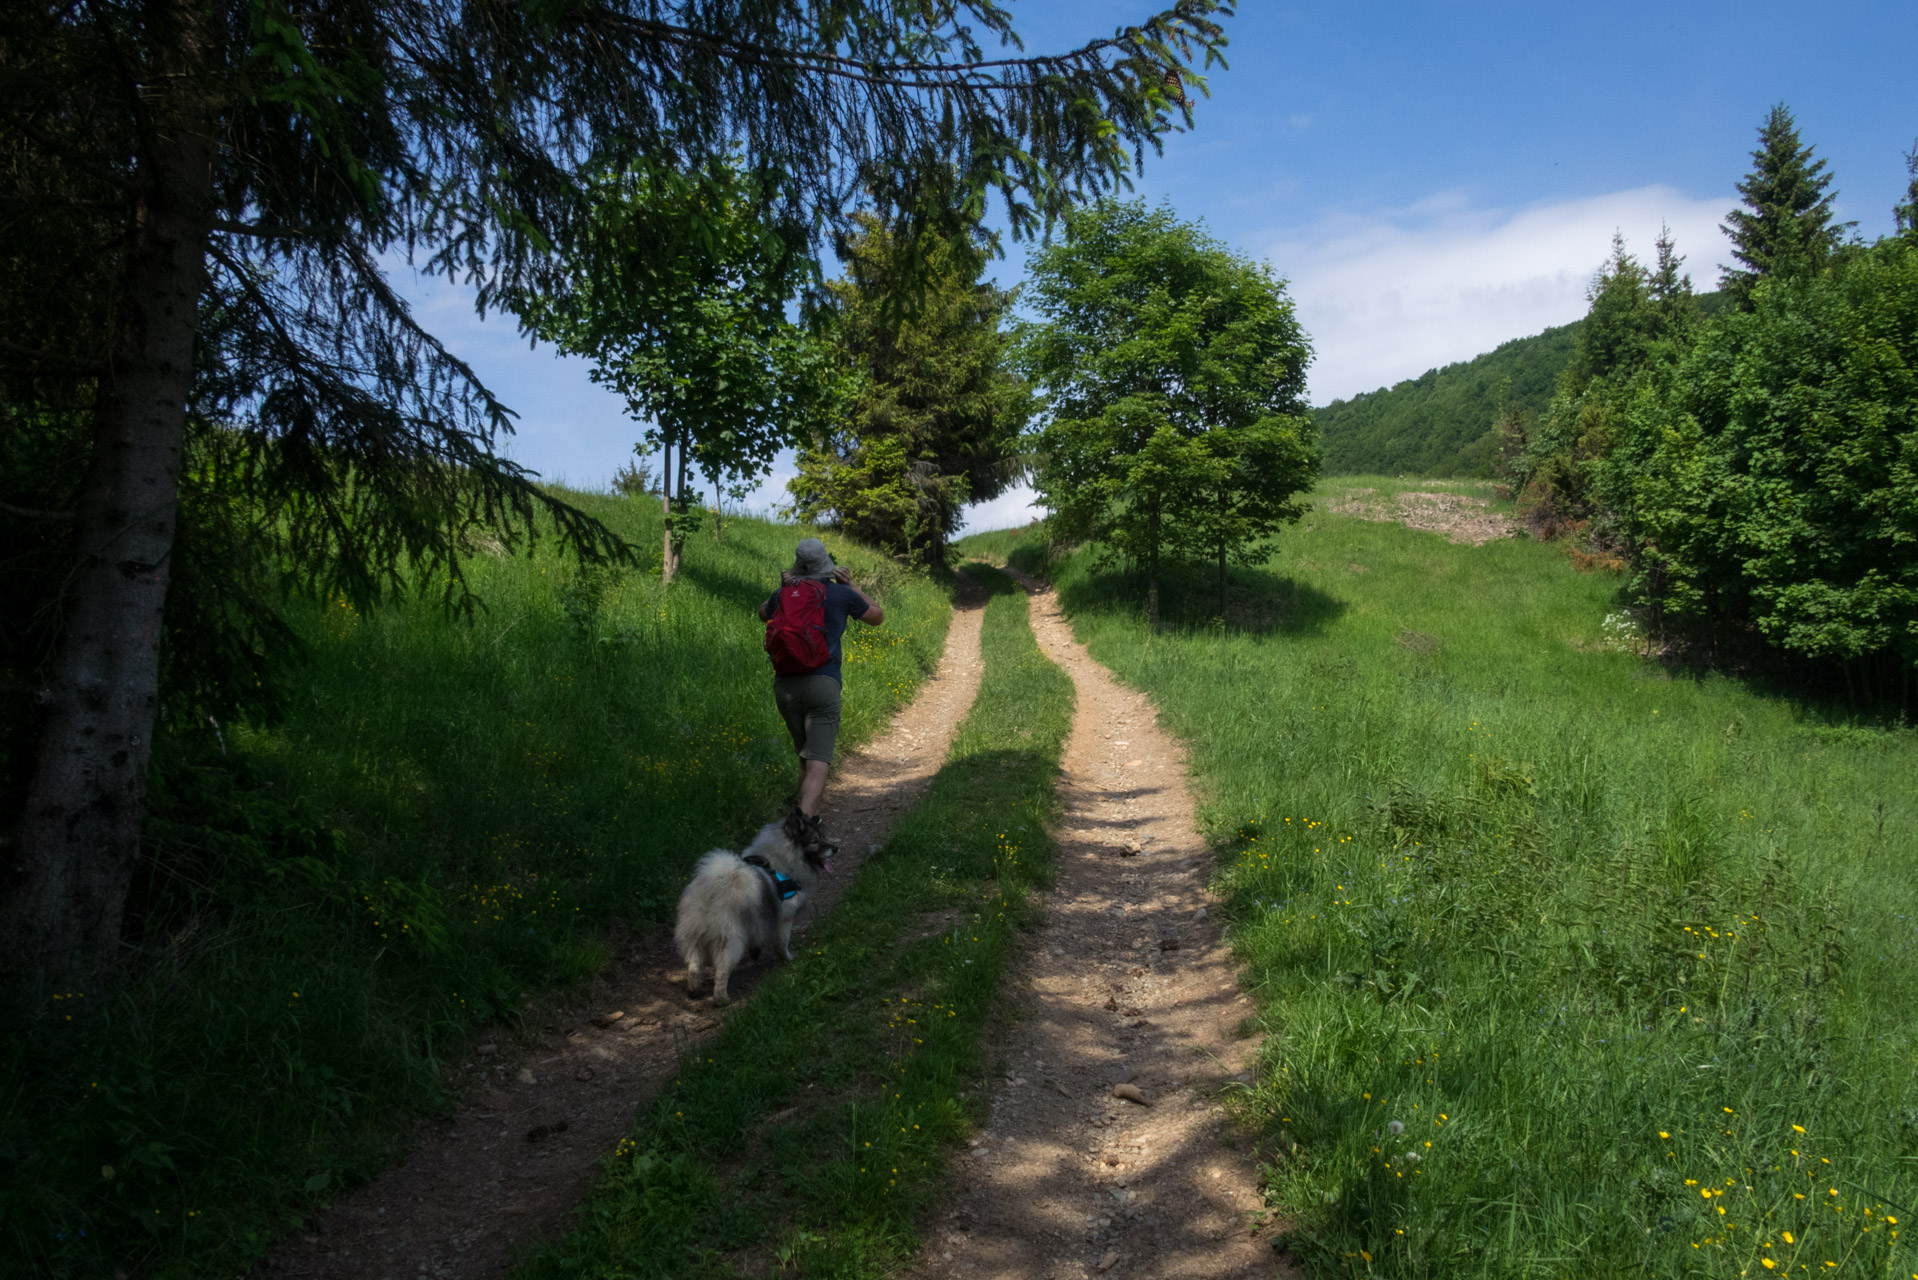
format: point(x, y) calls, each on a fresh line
point(1173, 372)
point(1774, 486)
point(677, 288)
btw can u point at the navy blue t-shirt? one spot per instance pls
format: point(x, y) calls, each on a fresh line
point(842, 602)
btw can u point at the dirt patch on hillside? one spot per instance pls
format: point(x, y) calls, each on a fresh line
point(1459, 517)
point(536, 1117)
point(1127, 983)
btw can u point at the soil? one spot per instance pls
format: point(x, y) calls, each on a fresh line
point(1459, 516)
point(519, 1155)
point(1127, 983)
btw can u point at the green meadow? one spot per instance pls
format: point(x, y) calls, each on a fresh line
point(453, 813)
point(1569, 964)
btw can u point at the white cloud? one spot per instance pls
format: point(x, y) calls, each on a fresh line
point(1015, 507)
point(569, 428)
point(1388, 296)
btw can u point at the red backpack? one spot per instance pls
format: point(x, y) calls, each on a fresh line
point(796, 636)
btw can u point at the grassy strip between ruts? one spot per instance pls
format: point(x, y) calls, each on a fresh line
point(807, 1135)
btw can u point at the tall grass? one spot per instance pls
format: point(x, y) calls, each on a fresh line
point(451, 815)
point(810, 1132)
point(1571, 967)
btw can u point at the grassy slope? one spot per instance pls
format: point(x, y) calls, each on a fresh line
point(1605, 939)
point(446, 817)
point(810, 1132)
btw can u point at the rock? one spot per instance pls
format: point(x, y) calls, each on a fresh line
point(1200, 914)
point(1130, 1093)
point(608, 1019)
point(1106, 1263)
point(526, 1076)
point(487, 1050)
point(584, 1074)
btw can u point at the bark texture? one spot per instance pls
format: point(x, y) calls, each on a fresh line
point(79, 834)
point(669, 546)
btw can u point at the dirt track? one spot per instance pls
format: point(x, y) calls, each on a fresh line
point(521, 1153)
point(1127, 981)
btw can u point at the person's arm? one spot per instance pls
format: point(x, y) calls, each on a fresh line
point(766, 606)
point(873, 614)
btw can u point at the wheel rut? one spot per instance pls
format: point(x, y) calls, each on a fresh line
point(519, 1155)
point(1127, 982)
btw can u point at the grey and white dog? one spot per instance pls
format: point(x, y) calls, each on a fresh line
point(737, 903)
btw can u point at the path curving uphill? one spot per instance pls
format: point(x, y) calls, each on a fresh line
point(1127, 983)
point(520, 1155)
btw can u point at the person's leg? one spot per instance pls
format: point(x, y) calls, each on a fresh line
point(812, 785)
point(822, 732)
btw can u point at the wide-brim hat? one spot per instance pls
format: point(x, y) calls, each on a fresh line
point(811, 559)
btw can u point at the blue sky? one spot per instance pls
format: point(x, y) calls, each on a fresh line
point(1433, 178)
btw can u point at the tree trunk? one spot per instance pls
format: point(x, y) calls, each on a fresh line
point(1152, 573)
point(80, 828)
point(669, 554)
point(1224, 507)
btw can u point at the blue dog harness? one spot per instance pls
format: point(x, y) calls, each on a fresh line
point(783, 885)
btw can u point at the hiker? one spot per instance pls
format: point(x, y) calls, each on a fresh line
point(805, 620)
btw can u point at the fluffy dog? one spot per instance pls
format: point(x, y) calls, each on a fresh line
point(739, 902)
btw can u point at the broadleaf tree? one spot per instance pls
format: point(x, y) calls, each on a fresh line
point(1774, 474)
point(936, 420)
point(1173, 378)
point(217, 182)
point(677, 288)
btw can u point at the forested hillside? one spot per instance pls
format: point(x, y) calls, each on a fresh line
point(1441, 422)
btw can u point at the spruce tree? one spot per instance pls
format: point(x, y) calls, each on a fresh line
point(1674, 306)
point(1786, 227)
point(936, 420)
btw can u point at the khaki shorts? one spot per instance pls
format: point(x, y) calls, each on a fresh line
point(810, 707)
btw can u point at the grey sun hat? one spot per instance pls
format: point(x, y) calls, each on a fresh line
point(810, 559)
